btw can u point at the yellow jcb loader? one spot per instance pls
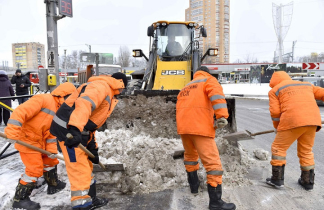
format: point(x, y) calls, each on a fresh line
point(174, 56)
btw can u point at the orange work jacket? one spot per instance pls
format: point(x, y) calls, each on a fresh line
point(88, 107)
point(30, 122)
point(292, 103)
point(197, 103)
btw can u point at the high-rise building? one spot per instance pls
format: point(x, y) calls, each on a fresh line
point(214, 15)
point(28, 55)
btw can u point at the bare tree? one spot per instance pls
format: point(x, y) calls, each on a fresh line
point(124, 56)
point(139, 62)
point(250, 58)
point(72, 60)
point(238, 61)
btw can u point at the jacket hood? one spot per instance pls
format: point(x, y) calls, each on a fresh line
point(64, 89)
point(3, 77)
point(201, 73)
point(114, 84)
point(278, 77)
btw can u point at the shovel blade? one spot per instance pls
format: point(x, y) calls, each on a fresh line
point(109, 167)
point(238, 136)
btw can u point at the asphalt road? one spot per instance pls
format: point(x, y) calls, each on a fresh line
point(254, 115)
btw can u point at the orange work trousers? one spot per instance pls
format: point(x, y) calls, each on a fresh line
point(36, 164)
point(79, 170)
point(196, 146)
point(305, 141)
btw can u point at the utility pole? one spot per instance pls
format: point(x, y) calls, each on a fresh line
point(52, 42)
point(65, 10)
point(293, 50)
point(65, 66)
point(89, 47)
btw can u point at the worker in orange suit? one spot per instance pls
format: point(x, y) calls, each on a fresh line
point(81, 115)
point(197, 104)
point(30, 122)
point(295, 115)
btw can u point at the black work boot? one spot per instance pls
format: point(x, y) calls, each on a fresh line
point(193, 181)
point(22, 200)
point(96, 202)
point(215, 199)
point(54, 184)
point(277, 178)
point(306, 179)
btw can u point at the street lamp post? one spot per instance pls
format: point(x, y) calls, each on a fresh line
point(89, 47)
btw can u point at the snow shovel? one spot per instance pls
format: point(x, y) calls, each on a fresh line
point(113, 167)
point(246, 135)
point(31, 146)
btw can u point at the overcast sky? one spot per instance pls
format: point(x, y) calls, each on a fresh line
point(108, 24)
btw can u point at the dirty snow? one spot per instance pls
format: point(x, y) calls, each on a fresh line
point(261, 154)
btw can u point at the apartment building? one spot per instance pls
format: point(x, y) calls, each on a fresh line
point(214, 15)
point(27, 56)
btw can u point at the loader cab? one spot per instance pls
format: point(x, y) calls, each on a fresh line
point(174, 40)
point(174, 54)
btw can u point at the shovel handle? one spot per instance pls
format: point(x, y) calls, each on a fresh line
point(70, 136)
point(32, 147)
point(268, 131)
point(262, 132)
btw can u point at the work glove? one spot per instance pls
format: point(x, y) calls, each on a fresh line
point(92, 147)
point(52, 156)
point(95, 160)
point(221, 122)
point(77, 137)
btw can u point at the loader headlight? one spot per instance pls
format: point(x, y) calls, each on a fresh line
point(164, 24)
point(191, 24)
point(212, 52)
point(137, 53)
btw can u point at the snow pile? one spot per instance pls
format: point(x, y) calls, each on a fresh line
point(261, 154)
point(150, 165)
point(154, 116)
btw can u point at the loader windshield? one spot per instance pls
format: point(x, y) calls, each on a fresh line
point(173, 39)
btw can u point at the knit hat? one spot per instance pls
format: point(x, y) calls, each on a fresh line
point(18, 70)
point(203, 68)
point(122, 76)
point(3, 72)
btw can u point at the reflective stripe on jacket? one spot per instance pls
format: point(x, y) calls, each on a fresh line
point(197, 103)
point(30, 122)
point(292, 104)
point(89, 107)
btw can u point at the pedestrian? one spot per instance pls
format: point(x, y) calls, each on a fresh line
point(197, 103)
point(30, 123)
point(81, 115)
point(22, 84)
point(295, 115)
point(5, 90)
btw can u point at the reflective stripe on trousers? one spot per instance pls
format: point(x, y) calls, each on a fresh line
point(27, 178)
point(217, 173)
point(190, 163)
